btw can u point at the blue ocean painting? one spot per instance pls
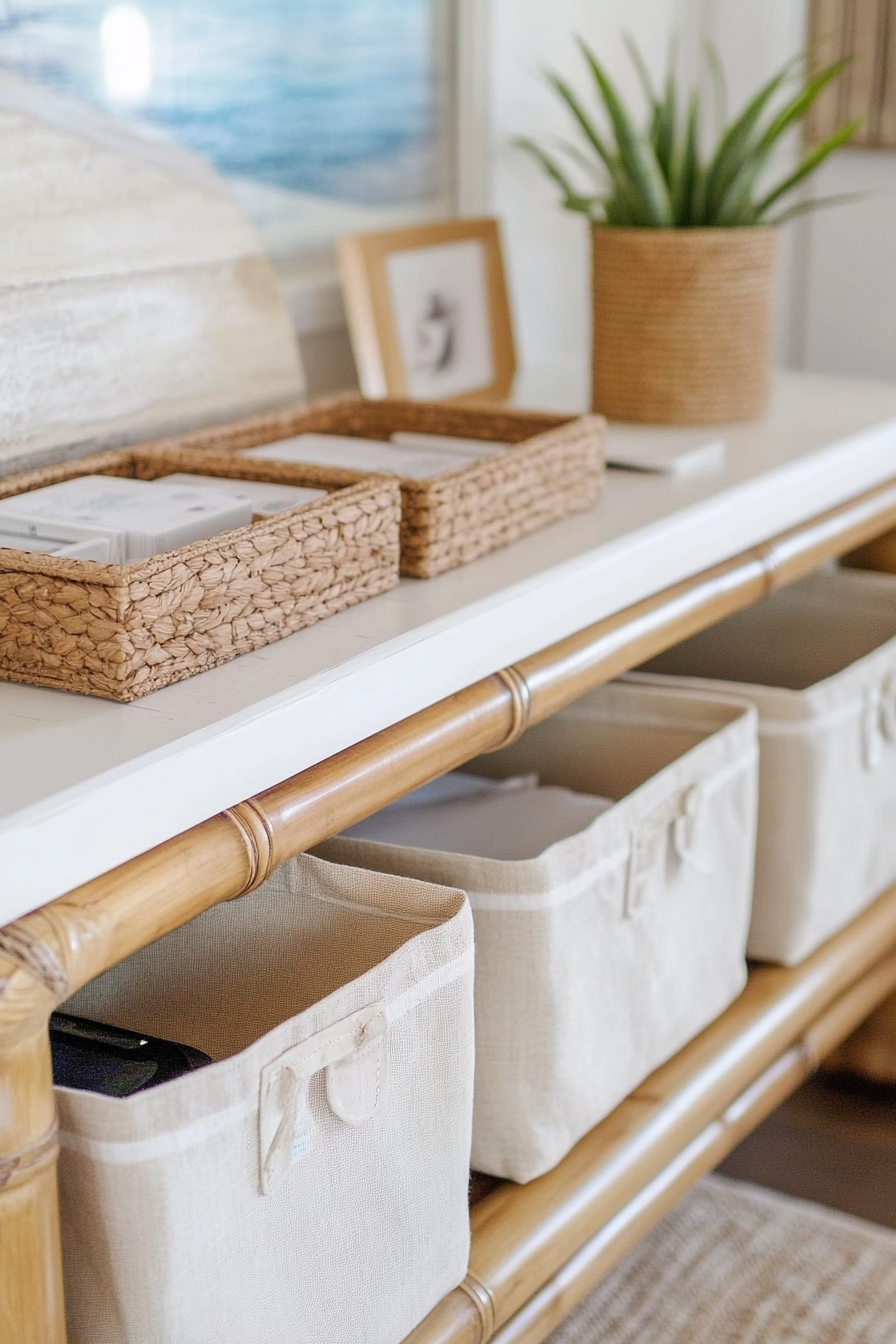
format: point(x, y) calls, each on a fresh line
point(338, 98)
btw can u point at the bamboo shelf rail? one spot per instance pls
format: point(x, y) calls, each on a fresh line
point(624, 1171)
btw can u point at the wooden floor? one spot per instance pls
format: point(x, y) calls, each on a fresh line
point(834, 1142)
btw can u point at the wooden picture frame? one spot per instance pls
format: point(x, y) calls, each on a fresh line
point(428, 311)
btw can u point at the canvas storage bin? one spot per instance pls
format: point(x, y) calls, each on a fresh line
point(311, 1184)
point(600, 956)
point(818, 660)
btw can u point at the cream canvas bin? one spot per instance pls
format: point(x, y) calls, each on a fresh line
point(311, 1184)
point(600, 957)
point(818, 660)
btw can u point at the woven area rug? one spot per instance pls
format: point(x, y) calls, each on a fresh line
point(733, 1264)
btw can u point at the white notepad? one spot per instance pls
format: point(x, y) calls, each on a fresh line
point(139, 518)
point(265, 497)
point(670, 452)
point(344, 450)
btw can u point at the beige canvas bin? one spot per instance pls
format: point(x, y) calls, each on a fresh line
point(311, 1184)
point(600, 957)
point(818, 660)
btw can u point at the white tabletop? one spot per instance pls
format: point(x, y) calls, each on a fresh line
point(86, 784)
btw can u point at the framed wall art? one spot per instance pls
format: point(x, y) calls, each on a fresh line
point(428, 311)
point(325, 116)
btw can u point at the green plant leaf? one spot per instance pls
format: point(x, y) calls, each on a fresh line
point(819, 203)
point(621, 187)
point(666, 121)
point(635, 152)
point(685, 170)
point(719, 83)
point(729, 157)
point(592, 135)
point(796, 109)
point(655, 177)
point(808, 165)
point(572, 199)
point(644, 75)
point(598, 171)
point(630, 198)
point(616, 212)
point(736, 206)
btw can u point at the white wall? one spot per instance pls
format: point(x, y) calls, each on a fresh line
point(547, 248)
point(845, 305)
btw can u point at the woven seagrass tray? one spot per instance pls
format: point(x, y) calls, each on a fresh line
point(553, 468)
point(121, 631)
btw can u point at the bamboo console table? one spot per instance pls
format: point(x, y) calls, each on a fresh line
point(824, 465)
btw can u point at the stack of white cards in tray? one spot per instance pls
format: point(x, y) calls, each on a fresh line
point(117, 520)
point(264, 498)
point(412, 455)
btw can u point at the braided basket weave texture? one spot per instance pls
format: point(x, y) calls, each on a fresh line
point(683, 324)
point(554, 468)
point(121, 631)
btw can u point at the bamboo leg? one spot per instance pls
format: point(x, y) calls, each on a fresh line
point(31, 1301)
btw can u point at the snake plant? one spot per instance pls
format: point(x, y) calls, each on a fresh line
point(657, 176)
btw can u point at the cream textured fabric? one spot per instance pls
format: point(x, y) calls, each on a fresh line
point(818, 660)
point(519, 823)
point(733, 1264)
point(600, 958)
point(311, 1184)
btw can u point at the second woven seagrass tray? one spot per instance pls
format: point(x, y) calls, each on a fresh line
point(554, 466)
point(121, 631)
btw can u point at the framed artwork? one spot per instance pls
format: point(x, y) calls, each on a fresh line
point(428, 311)
point(326, 116)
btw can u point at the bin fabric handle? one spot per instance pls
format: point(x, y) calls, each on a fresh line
point(353, 1053)
point(679, 818)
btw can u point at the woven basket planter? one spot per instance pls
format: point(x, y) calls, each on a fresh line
point(555, 467)
point(683, 323)
point(121, 631)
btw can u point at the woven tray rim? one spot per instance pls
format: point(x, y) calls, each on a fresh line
point(15, 561)
point(553, 429)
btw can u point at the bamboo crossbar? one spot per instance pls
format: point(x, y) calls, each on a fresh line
point(47, 955)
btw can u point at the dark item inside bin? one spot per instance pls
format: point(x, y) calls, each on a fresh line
point(94, 1057)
